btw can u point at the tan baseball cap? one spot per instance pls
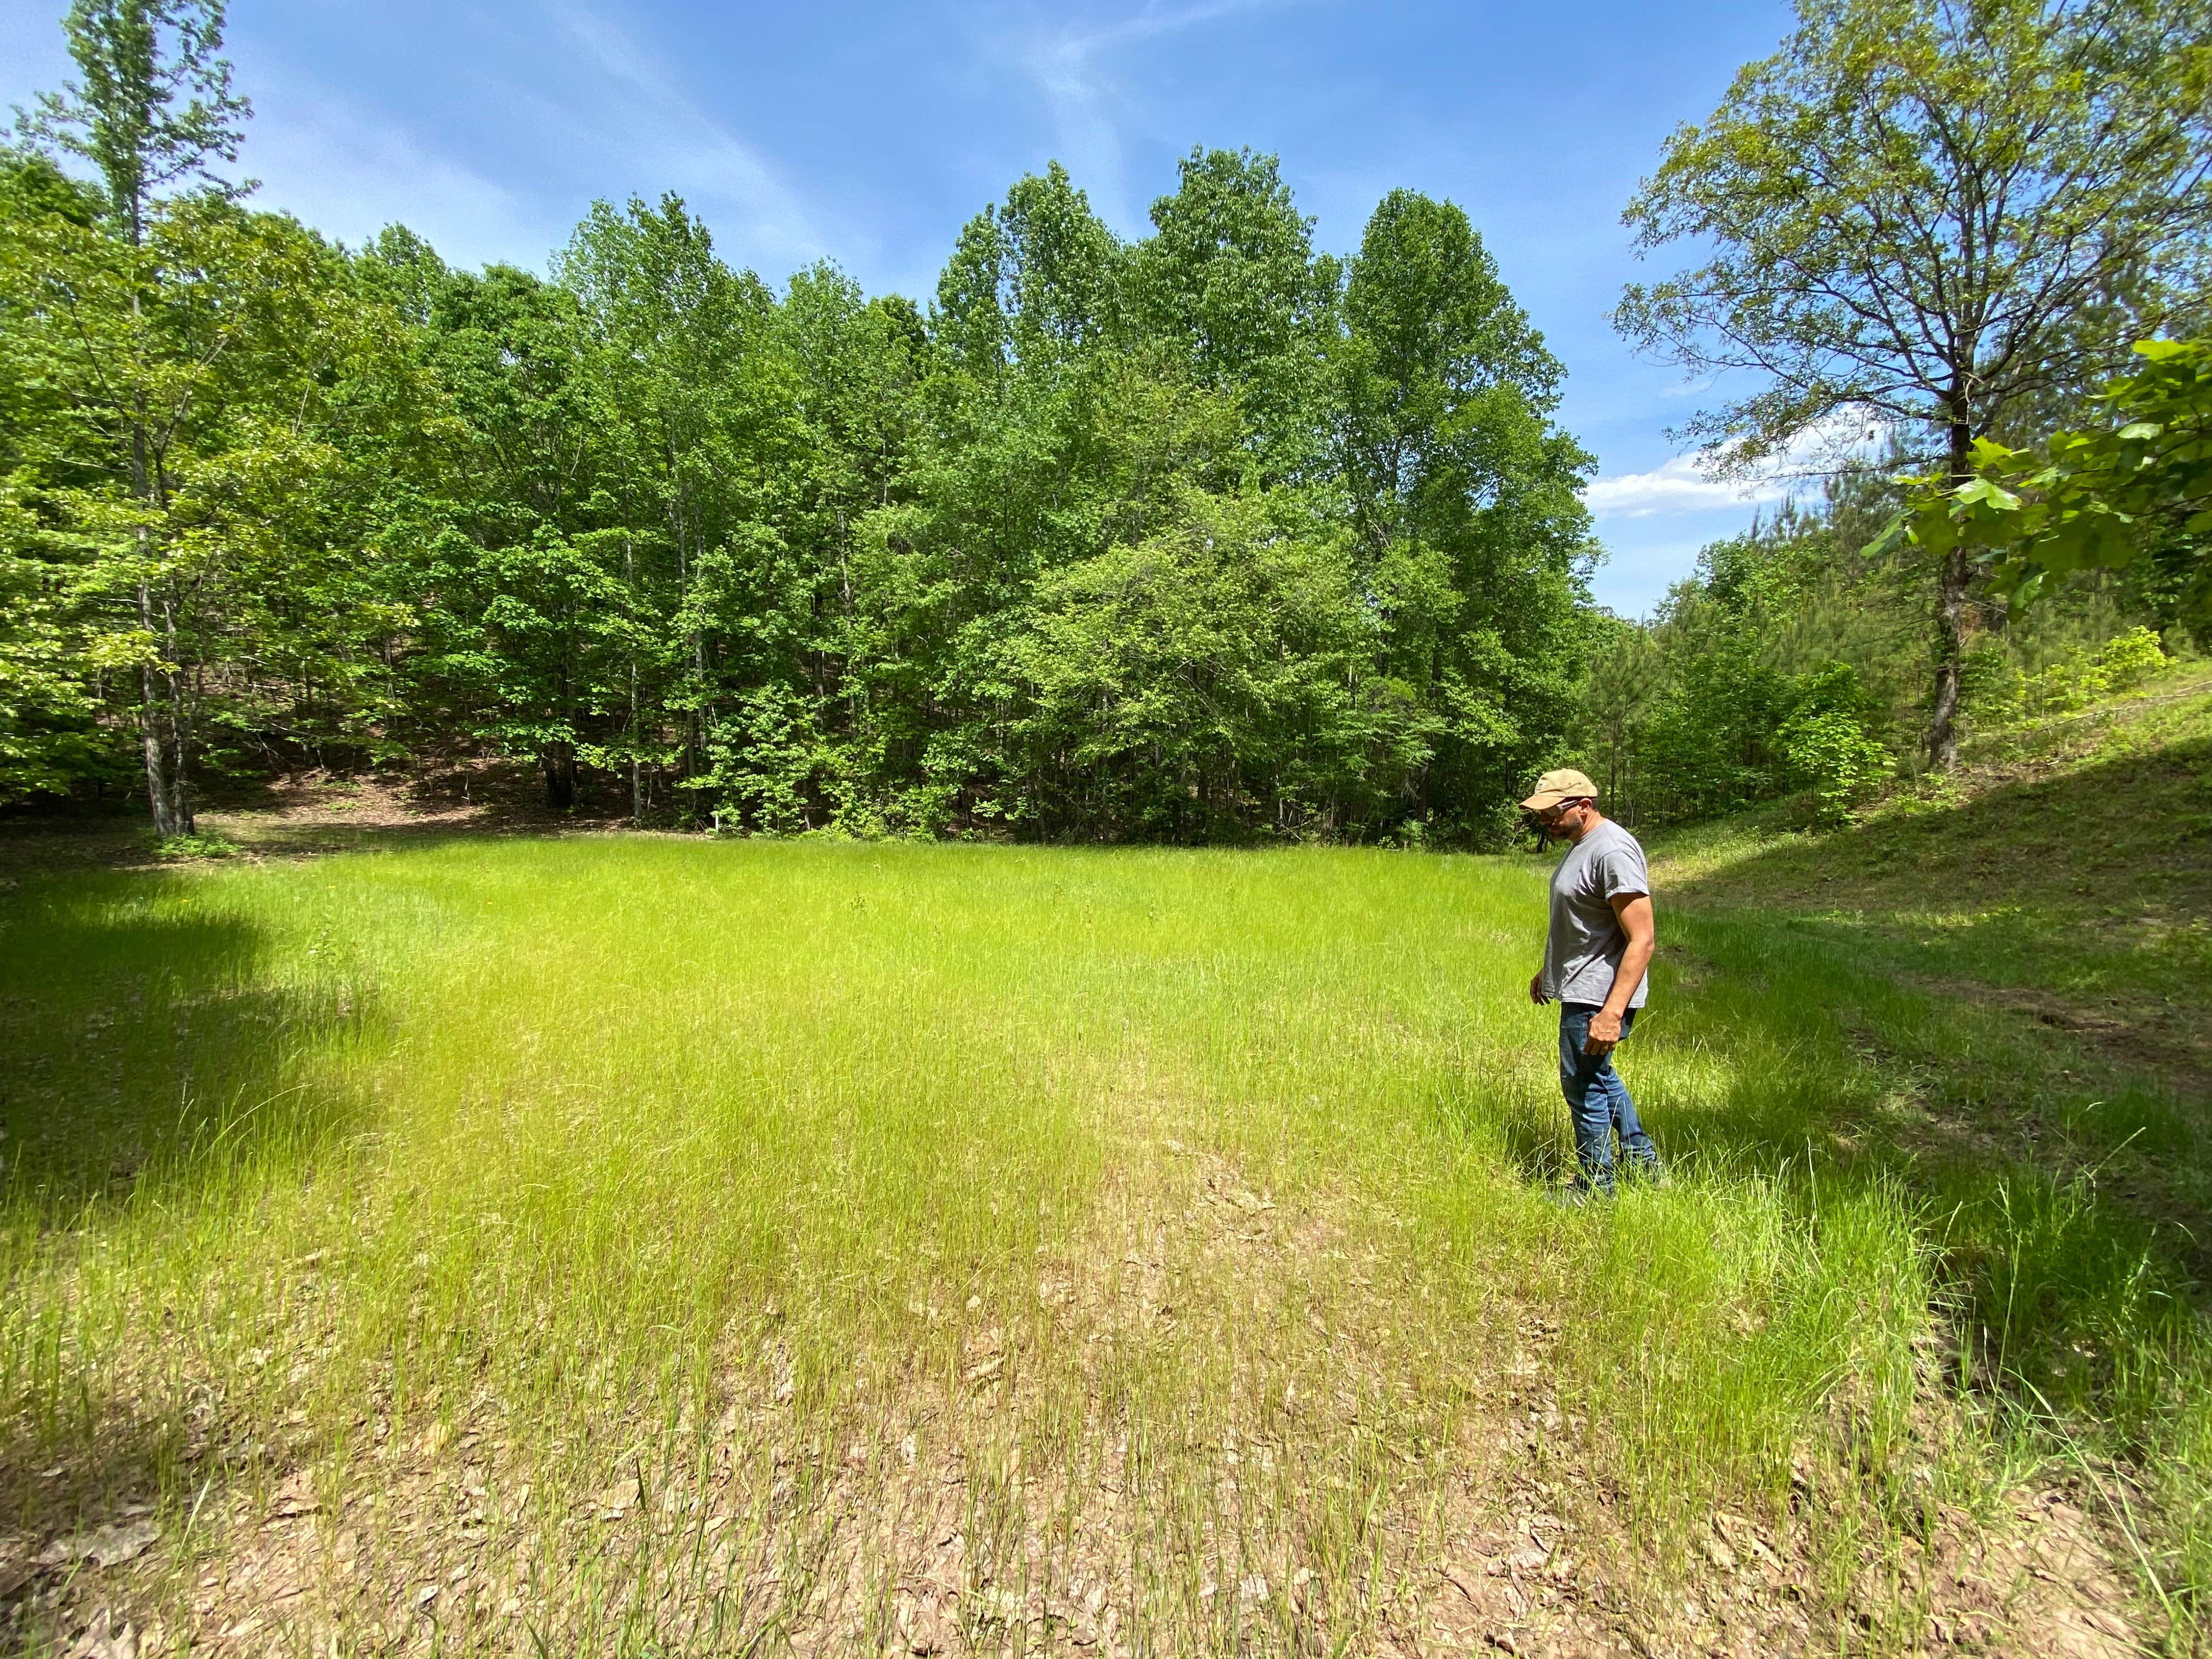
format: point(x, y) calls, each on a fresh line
point(1566, 784)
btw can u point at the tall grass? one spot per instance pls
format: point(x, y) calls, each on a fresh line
point(698, 1244)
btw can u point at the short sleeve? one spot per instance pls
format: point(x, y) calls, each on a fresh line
point(1621, 871)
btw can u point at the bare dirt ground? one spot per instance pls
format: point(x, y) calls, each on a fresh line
point(306, 814)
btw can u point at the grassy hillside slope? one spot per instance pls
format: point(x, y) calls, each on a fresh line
point(2066, 874)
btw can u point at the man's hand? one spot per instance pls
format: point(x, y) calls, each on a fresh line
point(1536, 990)
point(1604, 1032)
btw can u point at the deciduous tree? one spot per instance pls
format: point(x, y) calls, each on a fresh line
point(154, 108)
point(1932, 213)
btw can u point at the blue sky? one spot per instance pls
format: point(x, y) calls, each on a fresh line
point(868, 132)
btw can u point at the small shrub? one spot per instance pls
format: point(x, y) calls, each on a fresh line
point(1824, 744)
point(201, 845)
point(1829, 752)
point(2066, 686)
point(2130, 658)
point(2081, 676)
point(1990, 685)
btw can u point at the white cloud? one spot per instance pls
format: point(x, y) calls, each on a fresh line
point(1688, 483)
point(349, 175)
point(1680, 485)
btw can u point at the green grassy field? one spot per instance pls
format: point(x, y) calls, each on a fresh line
point(627, 1244)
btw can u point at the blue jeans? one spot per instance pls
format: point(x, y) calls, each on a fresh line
point(1597, 1100)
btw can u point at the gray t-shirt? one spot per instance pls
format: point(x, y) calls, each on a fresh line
point(1582, 952)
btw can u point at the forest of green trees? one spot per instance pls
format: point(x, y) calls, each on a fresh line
point(1209, 535)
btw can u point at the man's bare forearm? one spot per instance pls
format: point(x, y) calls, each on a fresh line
point(1643, 930)
point(1634, 961)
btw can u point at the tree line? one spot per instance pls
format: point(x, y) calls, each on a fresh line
point(1205, 535)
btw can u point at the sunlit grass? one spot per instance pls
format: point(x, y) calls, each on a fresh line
point(696, 1243)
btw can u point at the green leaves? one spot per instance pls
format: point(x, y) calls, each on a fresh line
point(1930, 209)
point(178, 488)
point(2100, 497)
point(1211, 675)
point(1185, 538)
point(154, 105)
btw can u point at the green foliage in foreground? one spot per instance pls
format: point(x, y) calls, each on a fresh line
point(2136, 488)
point(611, 1133)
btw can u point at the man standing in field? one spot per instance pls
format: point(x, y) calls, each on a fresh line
point(1596, 953)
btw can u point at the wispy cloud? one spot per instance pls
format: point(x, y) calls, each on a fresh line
point(1702, 482)
point(563, 113)
point(348, 173)
point(1072, 68)
point(638, 110)
point(1680, 485)
point(1148, 21)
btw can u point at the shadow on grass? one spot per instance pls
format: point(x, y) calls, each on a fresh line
point(155, 1062)
point(141, 1035)
point(1536, 1141)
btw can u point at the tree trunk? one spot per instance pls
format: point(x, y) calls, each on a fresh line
point(560, 763)
point(1951, 582)
point(1950, 654)
point(180, 724)
point(682, 601)
point(157, 785)
point(159, 795)
point(636, 779)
